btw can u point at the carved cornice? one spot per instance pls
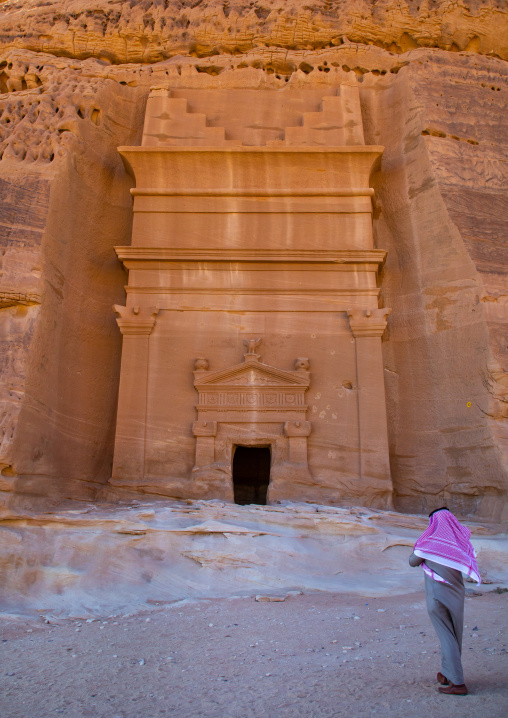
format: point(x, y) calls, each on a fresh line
point(244, 167)
point(368, 322)
point(168, 150)
point(136, 320)
point(262, 292)
point(312, 256)
point(251, 192)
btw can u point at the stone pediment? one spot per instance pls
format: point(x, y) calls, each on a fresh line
point(251, 374)
point(237, 391)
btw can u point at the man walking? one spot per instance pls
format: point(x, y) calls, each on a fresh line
point(445, 553)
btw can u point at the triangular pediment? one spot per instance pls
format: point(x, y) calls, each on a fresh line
point(252, 374)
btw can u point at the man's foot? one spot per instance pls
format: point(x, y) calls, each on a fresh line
point(453, 690)
point(443, 679)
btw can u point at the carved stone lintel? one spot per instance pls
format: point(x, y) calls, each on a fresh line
point(135, 320)
point(368, 322)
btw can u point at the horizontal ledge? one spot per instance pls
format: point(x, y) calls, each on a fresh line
point(324, 309)
point(237, 291)
point(256, 212)
point(273, 269)
point(252, 192)
point(344, 256)
point(263, 149)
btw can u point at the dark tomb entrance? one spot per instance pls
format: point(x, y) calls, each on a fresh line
point(251, 474)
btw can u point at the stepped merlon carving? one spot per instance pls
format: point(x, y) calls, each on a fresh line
point(168, 122)
point(337, 124)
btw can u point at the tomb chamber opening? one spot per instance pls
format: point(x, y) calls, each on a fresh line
point(251, 474)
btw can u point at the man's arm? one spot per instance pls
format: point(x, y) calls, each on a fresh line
point(415, 560)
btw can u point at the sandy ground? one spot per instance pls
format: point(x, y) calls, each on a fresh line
point(313, 656)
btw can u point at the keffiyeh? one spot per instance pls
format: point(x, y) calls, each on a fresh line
point(446, 542)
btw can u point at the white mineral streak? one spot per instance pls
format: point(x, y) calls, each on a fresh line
point(117, 560)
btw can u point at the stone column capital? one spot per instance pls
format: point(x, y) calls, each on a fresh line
point(204, 428)
point(136, 320)
point(297, 428)
point(368, 322)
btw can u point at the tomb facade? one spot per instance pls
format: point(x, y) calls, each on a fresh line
point(252, 315)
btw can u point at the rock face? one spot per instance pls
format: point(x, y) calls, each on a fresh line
point(153, 31)
point(447, 269)
point(103, 560)
point(440, 214)
point(66, 196)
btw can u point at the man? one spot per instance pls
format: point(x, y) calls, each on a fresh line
point(445, 553)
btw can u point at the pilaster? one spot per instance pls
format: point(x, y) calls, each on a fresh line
point(367, 326)
point(136, 325)
point(205, 433)
point(297, 433)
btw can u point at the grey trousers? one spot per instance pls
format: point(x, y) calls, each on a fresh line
point(445, 605)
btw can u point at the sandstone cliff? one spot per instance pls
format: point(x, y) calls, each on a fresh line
point(148, 31)
point(74, 77)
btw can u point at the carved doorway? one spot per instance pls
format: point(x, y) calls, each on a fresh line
point(251, 474)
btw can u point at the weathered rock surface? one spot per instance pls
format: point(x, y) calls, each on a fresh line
point(118, 559)
point(66, 196)
point(441, 214)
point(152, 31)
point(442, 197)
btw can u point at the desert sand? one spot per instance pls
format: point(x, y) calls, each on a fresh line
point(317, 655)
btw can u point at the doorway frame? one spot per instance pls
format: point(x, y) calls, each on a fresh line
point(250, 404)
point(256, 445)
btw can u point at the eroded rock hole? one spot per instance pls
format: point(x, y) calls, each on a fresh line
point(251, 474)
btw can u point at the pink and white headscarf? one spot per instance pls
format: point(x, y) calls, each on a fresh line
point(447, 542)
